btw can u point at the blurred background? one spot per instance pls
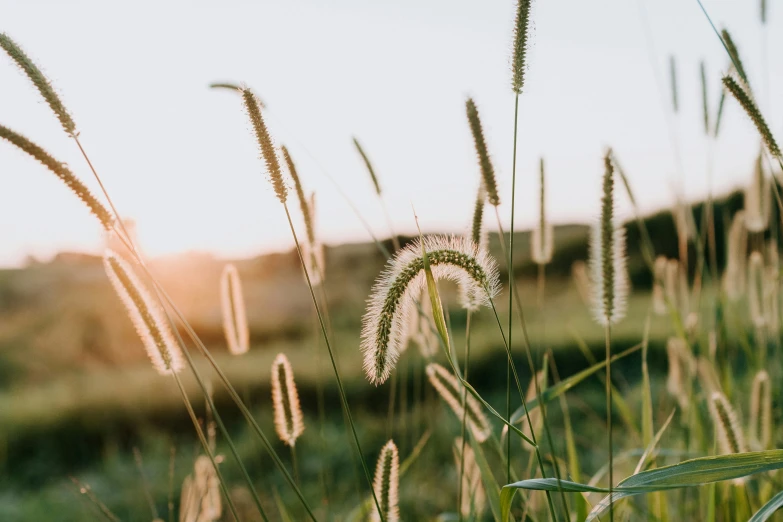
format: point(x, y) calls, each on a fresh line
point(77, 393)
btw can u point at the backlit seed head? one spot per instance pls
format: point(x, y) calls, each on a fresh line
point(727, 427)
point(485, 163)
point(387, 484)
point(289, 421)
point(234, 312)
point(760, 432)
point(40, 81)
point(608, 271)
point(147, 316)
point(736, 258)
point(265, 144)
point(758, 198)
point(384, 326)
point(452, 391)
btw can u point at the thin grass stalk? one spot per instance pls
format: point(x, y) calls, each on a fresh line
point(511, 286)
point(464, 417)
point(340, 387)
point(608, 337)
point(528, 348)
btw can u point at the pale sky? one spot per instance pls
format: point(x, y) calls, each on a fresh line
point(179, 158)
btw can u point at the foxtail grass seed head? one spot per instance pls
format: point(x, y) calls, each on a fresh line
point(40, 81)
point(758, 198)
point(300, 195)
point(727, 427)
point(736, 61)
point(673, 78)
point(387, 484)
point(147, 316)
point(607, 257)
point(393, 295)
point(519, 60)
point(368, 164)
point(763, 11)
point(474, 499)
point(207, 487)
point(62, 171)
point(658, 293)
point(581, 279)
point(705, 104)
point(234, 311)
point(289, 421)
point(760, 432)
point(478, 232)
point(749, 105)
point(485, 163)
point(681, 370)
point(735, 275)
point(542, 245)
point(265, 144)
point(756, 289)
point(315, 251)
point(451, 390)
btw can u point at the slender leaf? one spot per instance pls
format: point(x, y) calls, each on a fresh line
point(566, 384)
point(768, 509)
point(694, 472)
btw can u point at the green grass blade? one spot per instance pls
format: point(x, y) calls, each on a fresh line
point(768, 509)
point(694, 472)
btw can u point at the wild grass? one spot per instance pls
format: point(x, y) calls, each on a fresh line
point(644, 377)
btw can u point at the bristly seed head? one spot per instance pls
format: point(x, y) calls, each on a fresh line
point(758, 198)
point(62, 171)
point(542, 241)
point(387, 484)
point(658, 292)
point(736, 259)
point(487, 170)
point(521, 28)
point(478, 232)
point(761, 412)
point(289, 421)
point(393, 296)
point(368, 164)
point(730, 437)
point(265, 144)
point(145, 313)
point(607, 257)
point(452, 391)
point(736, 61)
point(673, 77)
point(746, 101)
point(756, 290)
point(473, 497)
point(705, 105)
point(41, 83)
point(234, 312)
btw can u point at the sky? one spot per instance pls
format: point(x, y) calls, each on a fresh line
point(179, 159)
